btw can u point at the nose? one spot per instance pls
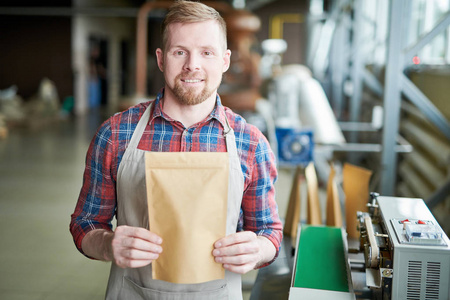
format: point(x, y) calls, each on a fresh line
point(192, 62)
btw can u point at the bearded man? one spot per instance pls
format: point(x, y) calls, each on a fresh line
point(186, 116)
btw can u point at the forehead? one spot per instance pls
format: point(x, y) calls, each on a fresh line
point(199, 34)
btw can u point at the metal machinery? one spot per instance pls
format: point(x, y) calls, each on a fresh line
point(295, 146)
point(407, 254)
point(404, 252)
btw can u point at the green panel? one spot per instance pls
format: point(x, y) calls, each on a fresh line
point(321, 260)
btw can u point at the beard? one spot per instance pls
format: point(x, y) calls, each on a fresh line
point(189, 96)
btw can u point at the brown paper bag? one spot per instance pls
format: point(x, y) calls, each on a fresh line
point(334, 212)
point(187, 204)
point(356, 189)
point(313, 216)
point(293, 210)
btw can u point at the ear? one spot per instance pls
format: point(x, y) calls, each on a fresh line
point(226, 60)
point(160, 59)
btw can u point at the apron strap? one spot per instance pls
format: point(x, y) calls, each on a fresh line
point(230, 138)
point(140, 127)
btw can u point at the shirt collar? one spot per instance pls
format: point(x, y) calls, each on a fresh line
point(218, 112)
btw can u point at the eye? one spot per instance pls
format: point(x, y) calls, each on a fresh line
point(208, 53)
point(179, 52)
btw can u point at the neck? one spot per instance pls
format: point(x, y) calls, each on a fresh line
point(188, 115)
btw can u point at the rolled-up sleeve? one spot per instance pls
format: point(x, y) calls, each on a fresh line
point(97, 200)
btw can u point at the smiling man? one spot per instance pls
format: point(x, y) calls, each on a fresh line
point(187, 116)
point(193, 59)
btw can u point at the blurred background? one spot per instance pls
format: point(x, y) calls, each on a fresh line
point(329, 82)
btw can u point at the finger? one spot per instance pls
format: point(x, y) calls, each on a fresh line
point(240, 269)
point(131, 258)
point(132, 263)
point(139, 232)
point(134, 254)
point(140, 244)
point(237, 260)
point(235, 238)
point(139, 263)
point(237, 249)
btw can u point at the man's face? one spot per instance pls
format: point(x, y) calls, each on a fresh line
point(193, 61)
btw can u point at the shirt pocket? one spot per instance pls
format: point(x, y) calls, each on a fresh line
point(162, 290)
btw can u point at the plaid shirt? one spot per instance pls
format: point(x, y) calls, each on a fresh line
point(96, 204)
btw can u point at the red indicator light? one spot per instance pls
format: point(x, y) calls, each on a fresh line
point(416, 60)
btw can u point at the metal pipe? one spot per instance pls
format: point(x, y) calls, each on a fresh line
point(357, 126)
point(375, 148)
point(315, 112)
point(373, 83)
point(357, 67)
point(441, 26)
point(392, 97)
point(141, 44)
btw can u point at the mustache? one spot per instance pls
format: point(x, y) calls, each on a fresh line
point(191, 76)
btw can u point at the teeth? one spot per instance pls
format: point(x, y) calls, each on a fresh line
point(192, 81)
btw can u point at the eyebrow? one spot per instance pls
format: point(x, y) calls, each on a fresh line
point(206, 47)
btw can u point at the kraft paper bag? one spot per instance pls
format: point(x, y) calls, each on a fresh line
point(333, 210)
point(293, 212)
point(187, 196)
point(356, 190)
point(313, 216)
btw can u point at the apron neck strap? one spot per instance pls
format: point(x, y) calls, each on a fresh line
point(229, 137)
point(227, 128)
point(140, 127)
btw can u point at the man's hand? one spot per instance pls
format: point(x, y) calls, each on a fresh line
point(129, 247)
point(243, 251)
point(135, 247)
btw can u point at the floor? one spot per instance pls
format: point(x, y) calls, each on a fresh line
point(40, 177)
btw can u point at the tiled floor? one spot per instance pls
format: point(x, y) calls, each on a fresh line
point(40, 177)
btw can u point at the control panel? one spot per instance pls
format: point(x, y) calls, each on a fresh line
point(418, 232)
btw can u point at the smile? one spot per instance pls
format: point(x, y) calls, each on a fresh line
point(191, 80)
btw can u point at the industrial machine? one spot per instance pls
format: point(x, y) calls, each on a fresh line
point(406, 252)
point(295, 146)
point(403, 251)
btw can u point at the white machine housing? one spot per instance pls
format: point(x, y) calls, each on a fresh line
point(420, 271)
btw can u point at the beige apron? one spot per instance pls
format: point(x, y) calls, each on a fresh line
point(137, 283)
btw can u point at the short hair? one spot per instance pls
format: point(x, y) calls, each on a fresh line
point(184, 12)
